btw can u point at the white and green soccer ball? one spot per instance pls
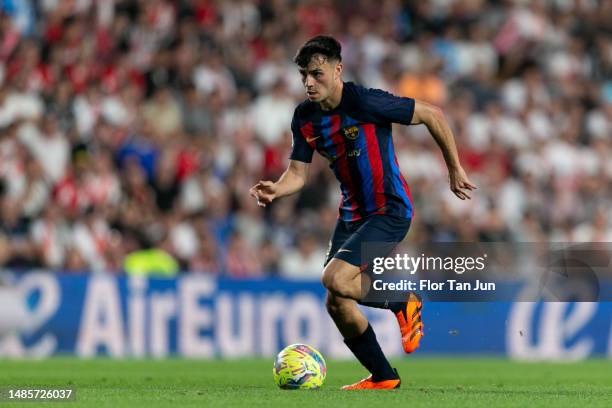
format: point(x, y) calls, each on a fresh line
point(299, 366)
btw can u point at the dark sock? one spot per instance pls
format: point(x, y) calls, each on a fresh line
point(393, 306)
point(367, 350)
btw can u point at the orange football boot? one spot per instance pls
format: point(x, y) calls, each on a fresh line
point(368, 384)
point(410, 323)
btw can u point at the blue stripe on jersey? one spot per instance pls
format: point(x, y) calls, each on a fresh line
point(326, 130)
point(384, 138)
point(363, 163)
point(348, 121)
point(354, 170)
point(397, 181)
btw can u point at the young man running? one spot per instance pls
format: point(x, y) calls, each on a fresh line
point(351, 127)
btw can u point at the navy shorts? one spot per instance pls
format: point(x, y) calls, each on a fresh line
point(349, 240)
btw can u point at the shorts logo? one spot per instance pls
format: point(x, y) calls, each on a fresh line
point(354, 153)
point(351, 133)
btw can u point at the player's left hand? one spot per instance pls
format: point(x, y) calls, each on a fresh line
point(460, 185)
point(264, 192)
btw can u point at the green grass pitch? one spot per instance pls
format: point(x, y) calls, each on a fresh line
point(426, 382)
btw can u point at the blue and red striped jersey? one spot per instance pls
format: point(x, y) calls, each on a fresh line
point(355, 137)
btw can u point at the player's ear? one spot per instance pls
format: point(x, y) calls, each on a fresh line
point(338, 69)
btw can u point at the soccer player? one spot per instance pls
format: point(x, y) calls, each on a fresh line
point(351, 127)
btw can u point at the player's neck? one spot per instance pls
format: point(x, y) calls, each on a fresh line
point(334, 99)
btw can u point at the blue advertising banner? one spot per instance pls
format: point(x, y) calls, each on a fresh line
point(43, 314)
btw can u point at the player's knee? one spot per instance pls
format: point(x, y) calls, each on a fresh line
point(326, 279)
point(333, 282)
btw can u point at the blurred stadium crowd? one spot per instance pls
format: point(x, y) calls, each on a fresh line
point(135, 124)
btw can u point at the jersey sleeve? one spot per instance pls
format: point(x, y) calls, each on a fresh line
point(387, 107)
point(300, 149)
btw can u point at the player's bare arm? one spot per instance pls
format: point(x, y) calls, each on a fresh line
point(290, 182)
point(433, 117)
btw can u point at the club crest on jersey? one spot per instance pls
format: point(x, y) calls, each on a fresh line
point(351, 132)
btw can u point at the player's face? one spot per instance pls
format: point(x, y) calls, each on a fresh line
point(320, 78)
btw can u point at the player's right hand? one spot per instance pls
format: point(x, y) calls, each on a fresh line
point(264, 192)
point(460, 184)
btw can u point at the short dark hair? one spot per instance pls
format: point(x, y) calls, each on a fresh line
point(325, 45)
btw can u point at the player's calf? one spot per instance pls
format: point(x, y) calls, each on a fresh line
point(346, 315)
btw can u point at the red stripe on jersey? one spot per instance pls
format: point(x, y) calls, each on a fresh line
point(342, 162)
point(335, 124)
point(308, 132)
point(406, 188)
point(375, 164)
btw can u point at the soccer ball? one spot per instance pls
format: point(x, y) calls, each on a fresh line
point(299, 366)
